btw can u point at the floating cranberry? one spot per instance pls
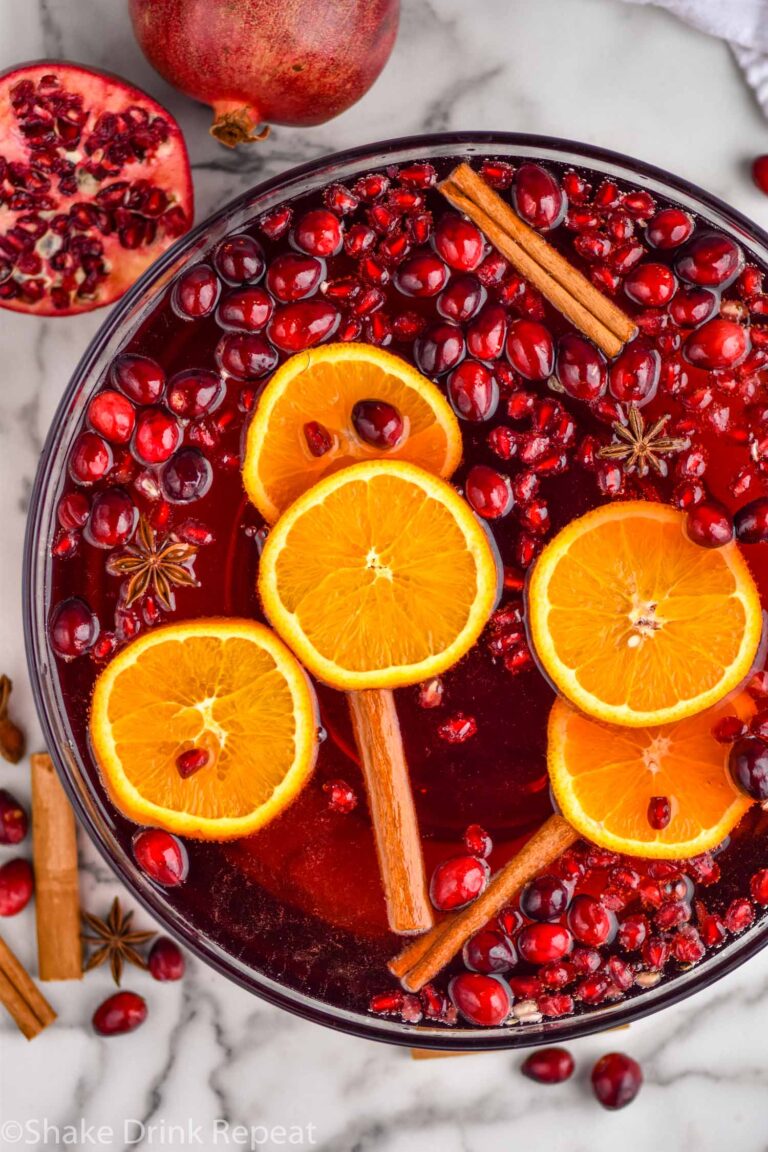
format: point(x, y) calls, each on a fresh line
point(191, 761)
point(120, 1013)
point(616, 1080)
point(73, 510)
point(751, 522)
point(670, 228)
point(187, 476)
point(490, 952)
point(758, 886)
point(473, 391)
point(318, 232)
point(378, 423)
point(194, 393)
point(156, 437)
point(196, 292)
point(591, 922)
point(112, 415)
point(538, 197)
point(488, 492)
point(17, 883)
point(462, 299)
point(342, 798)
point(634, 376)
point(693, 306)
point(439, 348)
point(245, 355)
point(659, 812)
point(166, 960)
point(459, 242)
point(113, 519)
point(424, 274)
point(485, 336)
point(91, 458)
point(581, 368)
point(302, 325)
point(748, 765)
point(73, 628)
point(652, 285)
point(247, 310)
point(481, 1000)
point(239, 259)
point(294, 277)
point(457, 881)
point(545, 898)
point(530, 349)
point(544, 943)
point(709, 525)
point(478, 842)
point(162, 856)
point(548, 1066)
point(139, 378)
point(13, 819)
point(718, 344)
point(711, 259)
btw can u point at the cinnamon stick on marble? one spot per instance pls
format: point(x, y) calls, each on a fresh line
point(57, 901)
point(21, 996)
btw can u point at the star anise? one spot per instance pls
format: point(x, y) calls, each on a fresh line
point(156, 564)
point(115, 941)
point(642, 448)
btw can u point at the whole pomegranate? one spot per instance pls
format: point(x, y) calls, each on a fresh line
point(297, 62)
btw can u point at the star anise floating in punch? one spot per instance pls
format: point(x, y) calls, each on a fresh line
point(154, 564)
point(642, 449)
point(114, 941)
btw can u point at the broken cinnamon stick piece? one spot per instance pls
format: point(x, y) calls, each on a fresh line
point(57, 901)
point(421, 960)
point(390, 802)
point(21, 996)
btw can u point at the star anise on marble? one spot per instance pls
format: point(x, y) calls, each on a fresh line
point(150, 563)
point(115, 942)
point(641, 449)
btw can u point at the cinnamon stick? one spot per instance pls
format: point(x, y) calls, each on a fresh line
point(21, 996)
point(566, 288)
point(421, 960)
point(57, 903)
point(390, 801)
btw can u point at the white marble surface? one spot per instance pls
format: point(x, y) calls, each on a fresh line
point(628, 78)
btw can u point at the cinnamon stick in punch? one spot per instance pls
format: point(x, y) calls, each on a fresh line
point(57, 902)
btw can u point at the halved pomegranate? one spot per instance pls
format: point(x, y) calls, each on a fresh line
point(94, 186)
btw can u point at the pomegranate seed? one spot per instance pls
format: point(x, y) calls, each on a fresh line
point(359, 240)
point(497, 173)
point(590, 922)
point(340, 199)
point(687, 945)
point(748, 766)
point(166, 960)
point(423, 275)
point(530, 349)
point(156, 437)
point(557, 975)
point(485, 336)
point(419, 227)
point(191, 761)
point(418, 175)
point(318, 232)
point(593, 990)
point(544, 943)
point(433, 1002)
point(319, 439)
point(640, 205)
point(162, 856)
point(481, 1000)
point(670, 228)
point(633, 931)
point(555, 1005)
point(489, 952)
point(240, 259)
point(545, 898)
point(294, 277)
point(610, 479)
point(371, 187)
point(276, 223)
point(458, 728)
point(459, 242)
point(488, 492)
point(585, 961)
point(751, 522)
point(616, 1080)
point(548, 1065)
point(120, 1013)
point(16, 885)
point(710, 259)
point(739, 915)
point(113, 519)
point(728, 729)
point(342, 798)
point(387, 1003)
point(538, 197)
point(462, 299)
point(581, 368)
point(73, 628)
point(709, 525)
point(196, 292)
point(13, 819)
point(576, 188)
point(652, 285)
point(758, 886)
point(439, 349)
point(477, 841)
point(430, 693)
point(304, 324)
point(503, 441)
point(659, 812)
point(473, 392)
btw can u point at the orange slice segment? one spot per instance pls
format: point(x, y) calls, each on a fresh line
point(378, 576)
point(321, 387)
point(227, 687)
point(604, 777)
point(637, 625)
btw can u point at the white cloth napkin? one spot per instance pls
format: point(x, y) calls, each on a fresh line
point(743, 23)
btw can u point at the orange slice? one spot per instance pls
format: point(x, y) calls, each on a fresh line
point(228, 687)
point(322, 386)
point(637, 625)
point(378, 576)
point(603, 778)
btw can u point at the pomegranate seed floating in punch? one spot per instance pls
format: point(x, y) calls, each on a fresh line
point(465, 469)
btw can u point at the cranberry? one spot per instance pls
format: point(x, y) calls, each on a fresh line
point(548, 1066)
point(545, 898)
point(488, 492)
point(459, 242)
point(709, 525)
point(91, 458)
point(477, 841)
point(239, 259)
point(342, 798)
point(489, 951)
point(245, 355)
point(457, 881)
point(530, 349)
point(717, 344)
point(751, 522)
point(187, 476)
point(162, 856)
point(652, 285)
point(728, 729)
point(748, 765)
point(439, 348)
point(191, 761)
point(156, 437)
point(196, 292)
point(17, 882)
point(481, 1000)
point(378, 423)
point(634, 376)
point(302, 325)
point(581, 368)
point(139, 378)
point(462, 299)
point(294, 277)
point(485, 336)
point(113, 519)
point(659, 812)
point(670, 228)
point(122, 1012)
point(247, 310)
point(111, 414)
point(760, 173)
point(693, 306)
point(473, 391)
point(538, 197)
point(194, 393)
point(166, 960)
point(544, 943)
point(616, 1080)
point(711, 259)
point(73, 510)
point(758, 886)
point(424, 274)
point(590, 922)
point(318, 232)
point(73, 628)
point(13, 819)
